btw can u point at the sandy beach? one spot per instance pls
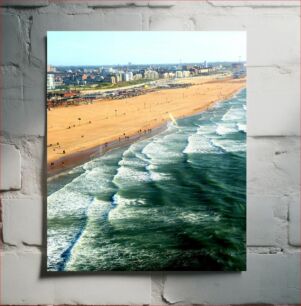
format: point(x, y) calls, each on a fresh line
point(77, 133)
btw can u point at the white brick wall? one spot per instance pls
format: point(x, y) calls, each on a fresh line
point(24, 284)
point(273, 179)
point(270, 279)
point(23, 220)
point(10, 171)
point(24, 3)
point(294, 220)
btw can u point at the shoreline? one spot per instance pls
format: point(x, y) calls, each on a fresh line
point(75, 159)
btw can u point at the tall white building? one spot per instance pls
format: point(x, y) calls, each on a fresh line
point(179, 74)
point(137, 76)
point(130, 75)
point(186, 74)
point(126, 77)
point(50, 81)
point(152, 75)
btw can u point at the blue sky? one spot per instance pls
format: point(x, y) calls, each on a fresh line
point(143, 47)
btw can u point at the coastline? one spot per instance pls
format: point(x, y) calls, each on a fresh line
point(75, 159)
point(84, 154)
point(72, 160)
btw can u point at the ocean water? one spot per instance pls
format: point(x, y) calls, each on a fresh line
point(176, 201)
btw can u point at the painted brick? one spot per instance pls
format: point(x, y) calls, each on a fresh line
point(21, 280)
point(23, 100)
point(11, 43)
point(10, 170)
point(274, 40)
point(163, 4)
point(22, 221)
point(206, 21)
point(23, 284)
point(294, 220)
point(157, 285)
point(259, 4)
point(12, 108)
point(11, 85)
point(23, 3)
point(273, 95)
point(273, 36)
point(116, 4)
point(269, 279)
point(122, 4)
point(170, 23)
point(122, 22)
point(261, 223)
point(33, 157)
point(273, 165)
point(22, 97)
point(34, 102)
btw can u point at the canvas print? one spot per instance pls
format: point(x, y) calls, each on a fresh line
point(146, 151)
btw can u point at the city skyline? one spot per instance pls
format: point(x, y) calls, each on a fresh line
point(95, 48)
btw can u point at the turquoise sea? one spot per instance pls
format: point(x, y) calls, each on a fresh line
point(175, 201)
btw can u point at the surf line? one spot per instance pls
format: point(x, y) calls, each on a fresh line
point(65, 256)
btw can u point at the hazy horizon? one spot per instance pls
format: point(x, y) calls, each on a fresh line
point(141, 64)
point(105, 48)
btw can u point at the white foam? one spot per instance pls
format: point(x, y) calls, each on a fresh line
point(158, 176)
point(97, 209)
point(223, 129)
point(132, 162)
point(234, 115)
point(242, 127)
point(200, 144)
point(228, 145)
point(160, 153)
point(206, 129)
point(193, 218)
point(128, 176)
point(96, 217)
point(74, 201)
point(122, 207)
point(65, 203)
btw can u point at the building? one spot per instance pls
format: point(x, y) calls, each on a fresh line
point(186, 74)
point(120, 75)
point(151, 75)
point(179, 74)
point(137, 76)
point(113, 79)
point(239, 70)
point(130, 75)
point(58, 82)
point(51, 68)
point(204, 71)
point(125, 77)
point(50, 81)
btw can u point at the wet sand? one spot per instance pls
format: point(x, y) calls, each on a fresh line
point(76, 134)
